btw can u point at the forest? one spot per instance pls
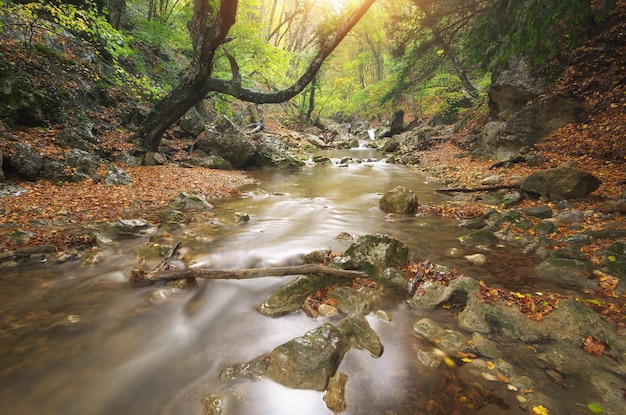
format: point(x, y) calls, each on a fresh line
point(470, 150)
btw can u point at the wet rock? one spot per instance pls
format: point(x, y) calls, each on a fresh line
point(374, 253)
point(482, 237)
point(611, 390)
point(474, 223)
point(173, 219)
point(477, 259)
point(384, 316)
point(561, 183)
point(188, 202)
point(214, 405)
point(306, 362)
point(428, 329)
point(482, 346)
point(289, 298)
point(24, 161)
point(430, 295)
point(335, 395)
point(130, 227)
point(360, 335)
point(242, 217)
point(322, 160)
point(570, 272)
point(399, 200)
point(394, 278)
point(351, 301)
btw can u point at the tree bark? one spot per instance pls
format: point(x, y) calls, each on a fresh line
point(140, 278)
point(207, 36)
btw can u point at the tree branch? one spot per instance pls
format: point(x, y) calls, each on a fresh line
point(259, 97)
point(140, 278)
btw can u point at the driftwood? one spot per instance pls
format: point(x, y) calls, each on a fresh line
point(140, 278)
point(478, 189)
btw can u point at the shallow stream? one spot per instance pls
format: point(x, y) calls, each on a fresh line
point(76, 339)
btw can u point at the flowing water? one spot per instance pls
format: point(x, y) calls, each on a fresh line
point(76, 339)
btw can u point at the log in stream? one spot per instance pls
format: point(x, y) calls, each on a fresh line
point(141, 278)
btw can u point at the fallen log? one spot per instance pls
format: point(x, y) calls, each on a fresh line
point(478, 189)
point(140, 278)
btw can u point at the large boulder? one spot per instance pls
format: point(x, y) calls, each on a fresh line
point(228, 141)
point(513, 88)
point(273, 153)
point(24, 161)
point(561, 183)
point(399, 200)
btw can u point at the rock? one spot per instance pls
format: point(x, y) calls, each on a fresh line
point(24, 161)
point(399, 200)
point(79, 136)
point(83, 165)
point(351, 301)
point(482, 346)
point(512, 199)
point(431, 295)
point(564, 182)
point(273, 153)
point(153, 159)
point(187, 202)
point(374, 253)
point(570, 216)
point(290, 297)
point(542, 212)
point(228, 141)
point(394, 278)
point(481, 237)
point(545, 227)
point(335, 395)
point(428, 329)
point(615, 258)
point(477, 259)
point(116, 176)
point(491, 180)
point(306, 362)
point(613, 206)
point(192, 123)
point(242, 217)
point(130, 227)
point(360, 335)
point(474, 223)
point(566, 271)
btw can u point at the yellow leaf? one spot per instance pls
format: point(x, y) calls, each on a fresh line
point(466, 360)
point(540, 410)
point(490, 365)
point(449, 362)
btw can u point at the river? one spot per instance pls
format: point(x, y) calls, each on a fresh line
point(77, 339)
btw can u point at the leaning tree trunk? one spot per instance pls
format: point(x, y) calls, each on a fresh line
point(208, 32)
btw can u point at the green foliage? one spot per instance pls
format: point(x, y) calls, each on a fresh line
point(533, 29)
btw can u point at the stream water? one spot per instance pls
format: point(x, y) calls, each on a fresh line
point(76, 339)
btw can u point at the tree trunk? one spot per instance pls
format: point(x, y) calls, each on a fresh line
point(207, 36)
